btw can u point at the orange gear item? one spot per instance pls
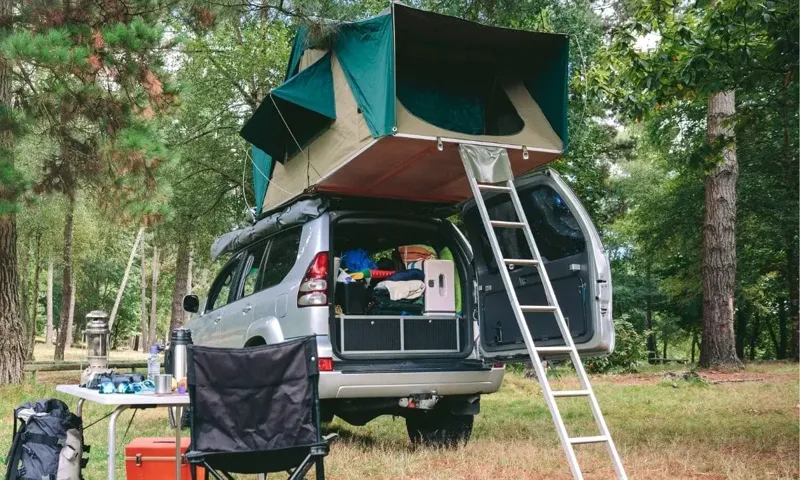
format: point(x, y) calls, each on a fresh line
point(153, 458)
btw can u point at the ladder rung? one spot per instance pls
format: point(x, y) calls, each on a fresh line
point(571, 393)
point(553, 349)
point(503, 224)
point(581, 440)
point(538, 308)
point(520, 261)
point(496, 188)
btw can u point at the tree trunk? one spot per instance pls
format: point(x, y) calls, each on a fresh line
point(652, 348)
point(783, 331)
point(48, 335)
point(12, 348)
point(718, 347)
point(664, 354)
point(143, 280)
point(37, 266)
point(66, 289)
point(755, 335)
point(181, 284)
point(694, 344)
point(792, 238)
point(24, 294)
point(71, 318)
point(794, 301)
point(154, 297)
point(124, 279)
point(741, 328)
point(775, 343)
point(189, 288)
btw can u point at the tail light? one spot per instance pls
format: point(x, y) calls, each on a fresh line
point(314, 288)
point(325, 364)
point(499, 365)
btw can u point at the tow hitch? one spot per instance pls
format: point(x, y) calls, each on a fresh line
point(420, 401)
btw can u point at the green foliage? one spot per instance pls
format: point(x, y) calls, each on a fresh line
point(629, 351)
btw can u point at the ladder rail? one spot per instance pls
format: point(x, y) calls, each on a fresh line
point(564, 328)
point(561, 429)
point(550, 396)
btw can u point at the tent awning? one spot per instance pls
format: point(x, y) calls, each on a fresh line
point(294, 113)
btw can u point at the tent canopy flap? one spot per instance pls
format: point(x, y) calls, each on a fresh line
point(294, 113)
point(366, 54)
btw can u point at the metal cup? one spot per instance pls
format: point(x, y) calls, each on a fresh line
point(163, 383)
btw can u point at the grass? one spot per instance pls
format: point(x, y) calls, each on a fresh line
point(739, 426)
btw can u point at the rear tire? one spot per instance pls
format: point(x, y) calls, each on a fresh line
point(439, 429)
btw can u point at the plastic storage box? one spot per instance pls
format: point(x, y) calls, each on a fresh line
point(352, 297)
point(440, 292)
point(153, 458)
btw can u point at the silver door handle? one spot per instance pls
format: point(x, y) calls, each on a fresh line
point(246, 309)
point(218, 318)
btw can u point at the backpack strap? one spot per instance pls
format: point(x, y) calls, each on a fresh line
point(49, 440)
point(15, 453)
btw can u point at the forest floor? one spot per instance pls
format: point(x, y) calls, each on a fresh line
point(741, 425)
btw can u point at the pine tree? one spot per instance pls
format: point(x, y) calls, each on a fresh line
point(89, 74)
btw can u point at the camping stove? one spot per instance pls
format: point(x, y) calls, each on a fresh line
point(96, 346)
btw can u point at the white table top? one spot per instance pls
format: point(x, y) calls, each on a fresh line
point(150, 399)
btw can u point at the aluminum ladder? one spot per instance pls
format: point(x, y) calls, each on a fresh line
point(535, 352)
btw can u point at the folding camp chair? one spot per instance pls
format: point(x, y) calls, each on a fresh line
point(256, 410)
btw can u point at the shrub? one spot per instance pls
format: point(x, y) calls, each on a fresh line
point(629, 350)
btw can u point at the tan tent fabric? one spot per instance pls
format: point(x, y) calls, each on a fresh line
point(346, 159)
point(537, 134)
point(334, 147)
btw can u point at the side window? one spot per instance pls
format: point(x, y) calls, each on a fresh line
point(220, 293)
point(252, 265)
point(554, 227)
point(281, 258)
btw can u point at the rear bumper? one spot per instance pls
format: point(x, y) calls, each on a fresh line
point(392, 384)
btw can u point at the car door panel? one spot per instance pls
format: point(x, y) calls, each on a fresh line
point(573, 256)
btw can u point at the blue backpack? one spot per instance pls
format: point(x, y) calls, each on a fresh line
point(47, 444)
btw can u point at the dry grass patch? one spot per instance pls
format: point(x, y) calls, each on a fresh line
point(673, 429)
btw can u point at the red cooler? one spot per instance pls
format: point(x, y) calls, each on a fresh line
point(153, 458)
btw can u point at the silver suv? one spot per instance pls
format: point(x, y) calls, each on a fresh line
point(431, 371)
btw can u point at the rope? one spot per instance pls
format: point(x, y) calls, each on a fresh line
point(308, 158)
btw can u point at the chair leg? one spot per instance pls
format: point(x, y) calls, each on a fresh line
point(320, 464)
point(300, 472)
point(212, 472)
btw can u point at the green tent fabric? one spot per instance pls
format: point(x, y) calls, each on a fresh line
point(298, 47)
point(549, 89)
point(366, 52)
point(262, 171)
point(294, 113)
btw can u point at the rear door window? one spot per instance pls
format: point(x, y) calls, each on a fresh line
point(556, 230)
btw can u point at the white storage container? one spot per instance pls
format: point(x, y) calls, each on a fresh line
point(440, 291)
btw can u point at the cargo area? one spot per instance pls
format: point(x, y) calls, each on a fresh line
point(398, 287)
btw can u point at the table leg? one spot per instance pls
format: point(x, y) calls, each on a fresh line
point(178, 414)
point(112, 439)
point(79, 408)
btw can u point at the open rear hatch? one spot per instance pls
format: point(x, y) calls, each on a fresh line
point(573, 256)
point(424, 314)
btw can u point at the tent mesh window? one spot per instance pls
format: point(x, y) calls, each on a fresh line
point(454, 95)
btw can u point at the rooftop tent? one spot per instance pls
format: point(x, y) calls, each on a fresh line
point(376, 112)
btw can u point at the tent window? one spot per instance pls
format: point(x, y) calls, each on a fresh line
point(457, 97)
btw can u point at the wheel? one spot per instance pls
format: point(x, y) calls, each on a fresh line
point(439, 429)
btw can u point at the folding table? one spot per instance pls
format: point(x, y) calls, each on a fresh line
point(124, 401)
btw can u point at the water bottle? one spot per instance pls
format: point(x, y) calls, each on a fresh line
point(153, 363)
